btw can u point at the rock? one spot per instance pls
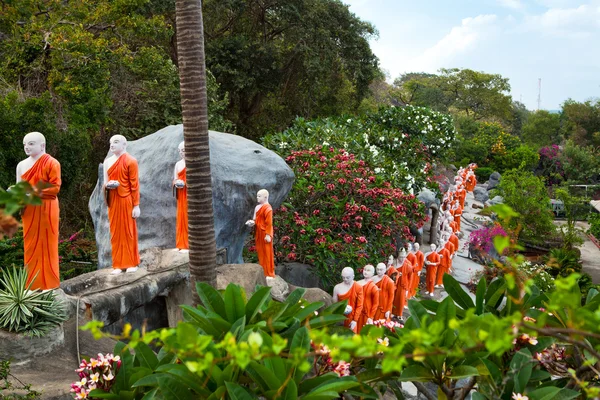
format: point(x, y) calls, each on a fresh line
point(495, 200)
point(493, 181)
point(279, 288)
point(24, 349)
point(298, 274)
point(239, 169)
point(476, 206)
point(480, 194)
point(248, 276)
point(427, 197)
point(315, 294)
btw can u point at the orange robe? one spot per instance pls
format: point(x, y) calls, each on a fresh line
point(355, 300)
point(461, 195)
point(420, 261)
point(181, 231)
point(454, 240)
point(444, 265)
point(457, 212)
point(264, 226)
point(402, 285)
point(386, 297)
point(40, 226)
point(123, 227)
point(471, 183)
point(411, 276)
point(370, 304)
point(432, 269)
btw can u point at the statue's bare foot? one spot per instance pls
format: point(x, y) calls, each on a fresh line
point(270, 278)
point(131, 270)
point(184, 250)
point(116, 271)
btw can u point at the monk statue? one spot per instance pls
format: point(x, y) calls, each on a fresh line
point(418, 267)
point(370, 297)
point(412, 258)
point(180, 192)
point(386, 293)
point(405, 269)
point(353, 292)
point(122, 191)
point(40, 222)
point(432, 262)
point(263, 232)
point(445, 263)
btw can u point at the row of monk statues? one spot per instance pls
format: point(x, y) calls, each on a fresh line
point(383, 292)
point(122, 195)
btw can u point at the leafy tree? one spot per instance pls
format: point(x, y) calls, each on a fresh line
point(527, 195)
point(519, 116)
point(582, 121)
point(192, 72)
point(286, 58)
point(581, 164)
point(476, 94)
point(542, 129)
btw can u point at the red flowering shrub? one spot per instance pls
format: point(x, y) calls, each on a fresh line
point(341, 214)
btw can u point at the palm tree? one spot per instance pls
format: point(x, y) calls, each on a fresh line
point(192, 75)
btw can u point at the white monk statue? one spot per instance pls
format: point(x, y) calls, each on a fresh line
point(40, 222)
point(351, 291)
point(180, 192)
point(370, 297)
point(386, 293)
point(122, 190)
point(263, 232)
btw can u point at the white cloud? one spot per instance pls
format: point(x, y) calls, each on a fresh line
point(514, 4)
point(581, 21)
point(459, 40)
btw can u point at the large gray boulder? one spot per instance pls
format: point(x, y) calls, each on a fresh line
point(427, 197)
point(298, 274)
point(494, 181)
point(480, 194)
point(239, 168)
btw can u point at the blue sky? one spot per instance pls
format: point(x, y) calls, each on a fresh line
point(523, 40)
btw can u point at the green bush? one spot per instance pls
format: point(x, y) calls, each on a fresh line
point(594, 220)
point(483, 174)
point(27, 311)
point(527, 195)
point(401, 142)
point(564, 262)
point(340, 213)
point(255, 347)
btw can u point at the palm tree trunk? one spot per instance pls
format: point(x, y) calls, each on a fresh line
point(192, 75)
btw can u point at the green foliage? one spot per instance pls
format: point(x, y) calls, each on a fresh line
point(564, 262)
point(526, 194)
point(307, 58)
point(10, 391)
point(538, 274)
point(542, 129)
point(594, 220)
point(259, 348)
point(483, 173)
point(80, 72)
point(582, 122)
point(572, 206)
point(23, 310)
point(581, 164)
point(340, 213)
point(230, 313)
point(401, 142)
point(462, 91)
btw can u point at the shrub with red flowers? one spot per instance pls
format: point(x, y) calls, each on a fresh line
point(550, 165)
point(341, 214)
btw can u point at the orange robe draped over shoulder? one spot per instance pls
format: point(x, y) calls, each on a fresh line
point(263, 227)
point(432, 270)
point(40, 226)
point(181, 230)
point(455, 242)
point(402, 285)
point(123, 227)
point(411, 276)
point(418, 267)
point(370, 304)
point(355, 300)
point(386, 297)
point(444, 265)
